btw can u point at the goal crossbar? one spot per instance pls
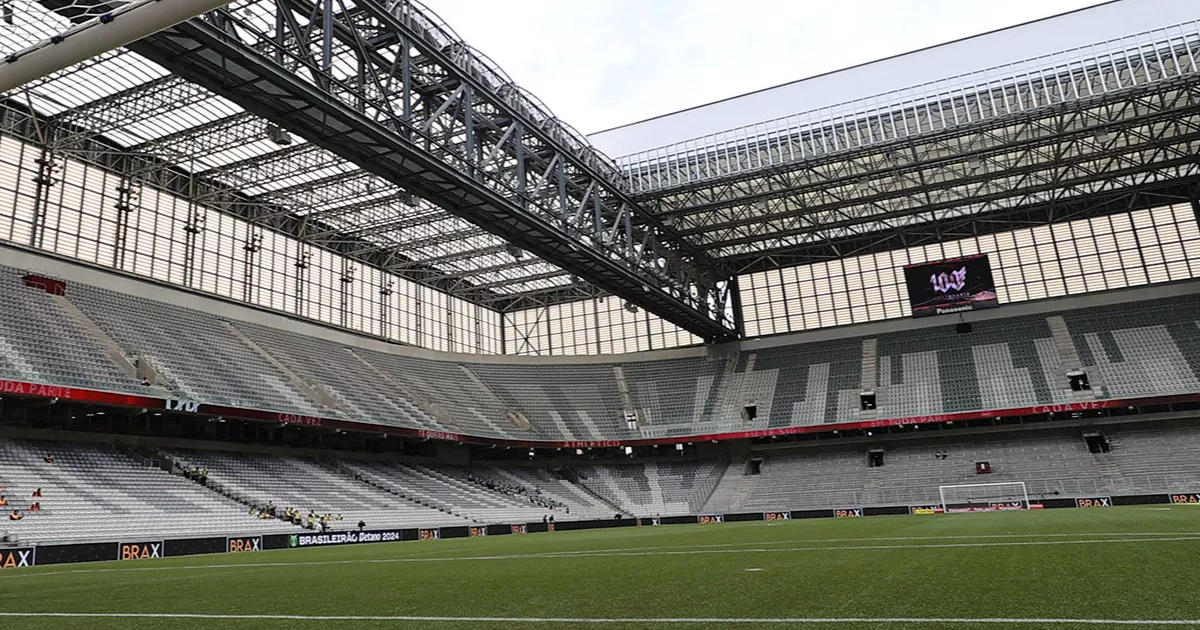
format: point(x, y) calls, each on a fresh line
point(984, 497)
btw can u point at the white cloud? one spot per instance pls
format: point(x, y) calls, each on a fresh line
point(602, 64)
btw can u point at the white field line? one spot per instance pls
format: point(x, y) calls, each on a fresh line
point(880, 539)
point(426, 556)
point(602, 553)
point(619, 620)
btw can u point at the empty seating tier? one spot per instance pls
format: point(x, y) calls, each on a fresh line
point(92, 492)
point(1142, 461)
point(1129, 350)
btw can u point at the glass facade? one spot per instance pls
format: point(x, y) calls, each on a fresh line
point(1089, 255)
point(154, 233)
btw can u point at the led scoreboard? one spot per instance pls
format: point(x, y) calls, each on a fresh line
point(951, 286)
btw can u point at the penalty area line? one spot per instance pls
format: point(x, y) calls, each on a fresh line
point(619, 620)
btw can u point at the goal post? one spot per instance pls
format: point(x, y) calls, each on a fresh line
point(984, 497)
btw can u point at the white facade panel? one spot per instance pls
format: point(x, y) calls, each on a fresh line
point(1059, 33)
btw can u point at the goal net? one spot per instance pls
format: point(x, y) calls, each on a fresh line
point(984, 497)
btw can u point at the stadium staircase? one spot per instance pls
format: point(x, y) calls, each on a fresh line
point(718, 401)
point(1069, 355)
point(870, 374)
point(668, 488)
point(873, 480)
point(732, 489)
point(127, 449)
point(160, 458)
point(433, 410)
point(314, 392)
point(494, 506)
point(705, 489)
point(572, 477)
point(384, 477)
point(513, 413)
point(111, 347)
point(1114, 478)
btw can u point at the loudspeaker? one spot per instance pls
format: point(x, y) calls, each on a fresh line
point(962, 328)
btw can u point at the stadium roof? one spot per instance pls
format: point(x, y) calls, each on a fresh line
point(135, 105)
point(961, 57)
point(820, 183)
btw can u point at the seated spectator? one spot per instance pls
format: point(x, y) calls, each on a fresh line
point(145, 382)
point(15, 516)
point(49, 459)
point(36, 507)
point(3, 500)
point(37, 494)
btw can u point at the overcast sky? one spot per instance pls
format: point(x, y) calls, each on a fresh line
point(602, 63)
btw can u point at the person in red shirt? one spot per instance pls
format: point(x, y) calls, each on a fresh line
point(37, 494)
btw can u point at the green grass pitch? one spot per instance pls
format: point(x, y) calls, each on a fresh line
point(1130, 564)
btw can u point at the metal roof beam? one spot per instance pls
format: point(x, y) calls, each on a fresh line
point(374, 122)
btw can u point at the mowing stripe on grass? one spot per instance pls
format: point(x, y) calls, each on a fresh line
point(877, 539)
point(599, 553)
point(619, 620)
point(693, 552)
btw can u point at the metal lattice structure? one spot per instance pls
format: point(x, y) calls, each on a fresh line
point(1087, 131)
point(370, 130)
point(392, 143)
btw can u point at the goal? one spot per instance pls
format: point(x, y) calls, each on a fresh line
point(984, 497)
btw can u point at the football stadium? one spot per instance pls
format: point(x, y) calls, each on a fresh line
point(311, 317)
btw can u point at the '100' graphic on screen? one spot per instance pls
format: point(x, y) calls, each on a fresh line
point(950, 286)
point(943, 283)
